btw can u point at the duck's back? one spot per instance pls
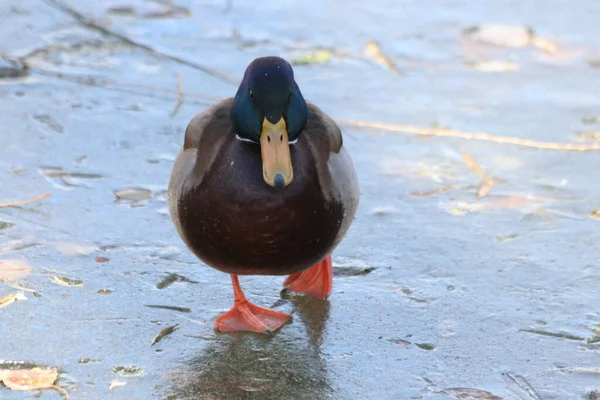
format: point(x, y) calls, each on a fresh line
point(232, 220)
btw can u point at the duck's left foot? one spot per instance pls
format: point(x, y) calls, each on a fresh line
point(245, 316)
point(316, 281)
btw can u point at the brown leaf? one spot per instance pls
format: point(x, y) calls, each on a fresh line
point(595, 214)
point(31, 379)
point(11, 270)
point(470, 394)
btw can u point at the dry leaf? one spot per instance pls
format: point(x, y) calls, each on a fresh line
point(167, 331)
point(115, 383)
point(589, 135)
point(63, 281)
point(31, 379)
point(501, 35)
point(374, 52)
point(74, 249)
point(595, 213)
point(133, 194)
point(486, 187)
point(495, 66)
point(443, 189)
point(314, 57)
point(11, 298)
point(472, 164)
point(128, 371)
point(11, 270)
point(545, 44)
point(470, 394)
point(487, 181)
point(23, 202)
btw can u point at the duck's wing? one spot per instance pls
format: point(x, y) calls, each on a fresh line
point(204, 137)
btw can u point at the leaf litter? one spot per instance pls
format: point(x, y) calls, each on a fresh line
point(64, 281)
point(129, 371)
point(12, 270)
point(171, 279)
point(11, 298)
point(133, 194)
point(511, 36)
point(15, 376)
point(470, 394)
point(374, 52)
point(23, 202)
point(164, 332)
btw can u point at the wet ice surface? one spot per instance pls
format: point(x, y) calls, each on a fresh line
point(435, 291)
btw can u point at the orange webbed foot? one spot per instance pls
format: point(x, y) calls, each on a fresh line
point(245, 316)
point(316, 281)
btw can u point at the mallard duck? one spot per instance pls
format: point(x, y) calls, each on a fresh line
point(264, 186)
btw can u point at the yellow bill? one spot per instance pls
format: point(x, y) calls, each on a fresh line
point(275, 151)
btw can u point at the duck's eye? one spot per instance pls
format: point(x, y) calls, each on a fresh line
point(251, 96)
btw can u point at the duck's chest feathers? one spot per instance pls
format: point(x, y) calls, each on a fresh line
point(237, 223)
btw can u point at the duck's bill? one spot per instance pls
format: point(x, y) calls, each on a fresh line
point(275, 151)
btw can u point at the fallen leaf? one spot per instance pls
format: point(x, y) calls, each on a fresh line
point(501, 35)
point(425, 346)
point(595, 214)
point(19, 244)
point(590, 120)
point(441, 190)
point(470, 394)
point(495, 66)
point(172, 308)
point(73, 249)
point(88, 361)
point(31, 379)
point(115, 383)
point(102, 259)
point(171, 279)
point(104, 292)
point(23, 202)
point(589, 135)
point(374, 52)
point(351, 271)
point(502, 239)
point(314, 57)
point(472, 164)
point(486, 187)
point(129, 371)
point(11, 270)
point(121, 11)
point(63, 281)
point(399, 341)
point(11, 298)
point(133, 194)
point(165, 332)
point(5, 225)
point(544, 44)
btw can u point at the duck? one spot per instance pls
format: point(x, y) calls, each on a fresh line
point(263, 185)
